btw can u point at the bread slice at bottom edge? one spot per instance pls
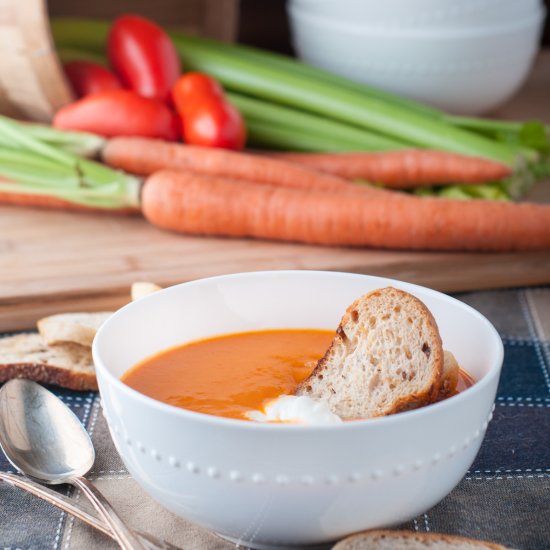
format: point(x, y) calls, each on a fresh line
point(386, 357)
point(27, 356)
point(407, 540)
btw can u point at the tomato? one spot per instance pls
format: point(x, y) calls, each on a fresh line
point(212, 122)
point(194, 86)
point(143, 56)
point(119, 113)
point(90, 78)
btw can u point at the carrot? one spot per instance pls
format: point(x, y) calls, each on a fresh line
point(403, 169)
point(206, 205)
point(144, 156)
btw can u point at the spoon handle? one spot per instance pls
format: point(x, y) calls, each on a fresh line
point(65, 503)
point(125, 538)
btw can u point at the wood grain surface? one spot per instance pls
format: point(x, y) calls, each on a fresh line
point(51, 262)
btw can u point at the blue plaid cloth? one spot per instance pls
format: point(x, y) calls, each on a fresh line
point(504, 497)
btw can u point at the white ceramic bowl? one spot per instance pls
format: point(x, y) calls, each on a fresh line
point(280, 485)
point(465, 71)
point(421, 14)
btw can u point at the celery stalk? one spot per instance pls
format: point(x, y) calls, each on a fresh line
point(84, 34)
point(11, 130)
point(485, 124)
point(34, 166)
point(82, 144)
point(72, 54)
point(265, 115)
point(270, 136)
point(32, 161)
point(15, 172)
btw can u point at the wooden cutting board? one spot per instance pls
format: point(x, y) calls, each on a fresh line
point(52, 262)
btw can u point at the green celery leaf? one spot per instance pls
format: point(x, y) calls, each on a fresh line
point(489, 191)
point(532, 135)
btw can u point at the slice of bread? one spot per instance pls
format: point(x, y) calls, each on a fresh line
point(78, 328)
point(407, 540)
point(67, 365)
point(386, 357)
point(449, 376)
point(143, 288)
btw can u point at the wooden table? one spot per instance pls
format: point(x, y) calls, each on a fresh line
point(58, 261)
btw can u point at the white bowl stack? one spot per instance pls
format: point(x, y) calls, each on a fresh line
point(463, 56)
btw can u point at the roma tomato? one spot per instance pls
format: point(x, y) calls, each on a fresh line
point(214, 123)
point(194, 86)
point(119, 113)
point(88, 78)
point(143, 56)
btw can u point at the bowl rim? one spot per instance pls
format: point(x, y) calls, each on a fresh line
point(394, 31)
point(238, 424)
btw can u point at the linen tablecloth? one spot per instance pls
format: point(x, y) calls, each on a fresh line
point(504, 497)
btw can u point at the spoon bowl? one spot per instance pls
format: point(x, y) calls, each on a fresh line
point(40, 435)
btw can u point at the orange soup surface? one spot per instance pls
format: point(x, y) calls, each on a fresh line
point(234, 374)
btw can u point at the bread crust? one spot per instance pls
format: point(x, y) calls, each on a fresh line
point(48, 374)
point(367, 540)
point(390, 301)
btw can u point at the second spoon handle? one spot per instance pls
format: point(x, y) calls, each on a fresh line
point(124, 536)
point(57, 499)
point(68, 505)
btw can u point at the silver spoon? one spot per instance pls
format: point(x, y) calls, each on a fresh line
point(44, 440)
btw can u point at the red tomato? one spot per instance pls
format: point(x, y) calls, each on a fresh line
point(88, 78)
point(119, 113)
point(192, 87)
point(143, 56)
point(214, 123)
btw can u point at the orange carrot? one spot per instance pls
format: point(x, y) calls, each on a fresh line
point(144, 156)
point(206, 205)
point(402, 169)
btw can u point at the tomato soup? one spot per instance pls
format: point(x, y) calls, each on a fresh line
point(234, 374)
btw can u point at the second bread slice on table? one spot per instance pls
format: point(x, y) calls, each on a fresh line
point(78, 328)
point(386, 357)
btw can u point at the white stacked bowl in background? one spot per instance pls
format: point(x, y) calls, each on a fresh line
point(420, 14)
point(466, 57)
